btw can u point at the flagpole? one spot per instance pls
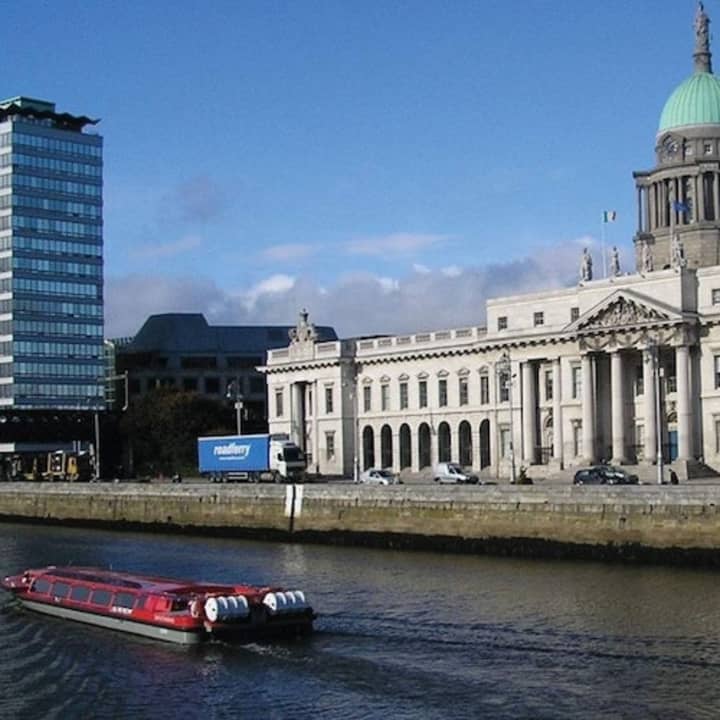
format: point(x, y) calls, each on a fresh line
point(602, 243)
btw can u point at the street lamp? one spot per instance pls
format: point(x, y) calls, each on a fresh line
point(503, 368)
point(233, 391)
point(352, 389)
point(658, 373)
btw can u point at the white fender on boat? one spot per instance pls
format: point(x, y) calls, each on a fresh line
point(211, 609)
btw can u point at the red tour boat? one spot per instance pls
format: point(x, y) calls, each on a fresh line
point(161, 608)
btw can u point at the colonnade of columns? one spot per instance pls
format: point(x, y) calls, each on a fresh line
point(701, 191)
point(621, 423)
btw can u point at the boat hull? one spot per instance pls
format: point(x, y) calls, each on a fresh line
point(182, 637)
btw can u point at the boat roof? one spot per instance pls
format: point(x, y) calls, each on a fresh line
point(130, 581)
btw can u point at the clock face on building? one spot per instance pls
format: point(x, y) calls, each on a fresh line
point(670, 146)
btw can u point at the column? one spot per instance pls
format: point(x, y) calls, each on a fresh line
point(684, 412)
point(588, 410)
point(699, 198)
point(558, 453)
point(640, 209)
point(716, 195)
point(529, 412)
point(646, 209)
point(618, 405)
point(649, 390)
point(297, 419)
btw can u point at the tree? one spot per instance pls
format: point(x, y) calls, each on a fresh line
point(162, 428)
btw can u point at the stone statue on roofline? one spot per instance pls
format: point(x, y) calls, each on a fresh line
point(677, 253)
point(304, 331)
point(614, 262)
point(647, 258)
point(585, 266)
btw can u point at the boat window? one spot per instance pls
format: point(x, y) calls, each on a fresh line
point(41, 585)
point(142, 600)
point(124, 600)
point(101, 597)
point(80, 593)
point(179, 604)
point(60, 589)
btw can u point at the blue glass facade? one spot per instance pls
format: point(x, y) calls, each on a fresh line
point(51, 268)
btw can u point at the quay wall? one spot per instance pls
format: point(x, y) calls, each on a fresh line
point(635, 522)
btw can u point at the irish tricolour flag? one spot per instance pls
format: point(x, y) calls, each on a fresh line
point(609, 216)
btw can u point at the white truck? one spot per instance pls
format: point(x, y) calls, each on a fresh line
point(447, 472)
point(251, 458)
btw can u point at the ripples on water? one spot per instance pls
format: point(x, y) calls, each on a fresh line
point(400, 635)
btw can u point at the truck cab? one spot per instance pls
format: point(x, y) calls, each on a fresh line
point(287, 460)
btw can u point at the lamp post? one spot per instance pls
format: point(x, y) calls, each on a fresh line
point(233, 391)
point(658, 373)
point(505, 378)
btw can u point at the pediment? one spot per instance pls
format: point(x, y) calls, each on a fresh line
point(624, 309)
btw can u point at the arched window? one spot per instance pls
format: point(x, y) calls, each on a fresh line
point(484, 444)
point(386, 447)
point(444, 443)
point(368, 448)
point(424, 456)
point(465, 444)
point(405, 447)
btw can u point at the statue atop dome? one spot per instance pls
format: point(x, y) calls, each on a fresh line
point(702, 57)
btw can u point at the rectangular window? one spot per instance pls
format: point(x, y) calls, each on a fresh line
point(463, 391)
point(538, 319)
point(60, 589)
point(574, 313)
point(328, 400)
point(548, 385)
point(384, 397)
point(576, 373)
point(505, 442)
point(310, 403)
point(716, 362)
point(502, 322)
point(442, 392)
point(422, 393)
point(504, 386)
point(639, 381)
point(190, 384)
point(484, 390)
point(403, 396)
point(279, 406)
point(577, 439)
point(329, 445)
point(212, 385)
point(716, 296)
point(367, 398)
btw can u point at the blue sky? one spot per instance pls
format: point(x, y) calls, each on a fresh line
point(389, 165)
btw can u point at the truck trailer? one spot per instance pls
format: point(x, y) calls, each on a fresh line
point(251, 458)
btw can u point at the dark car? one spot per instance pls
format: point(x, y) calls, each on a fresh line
point(604, 475)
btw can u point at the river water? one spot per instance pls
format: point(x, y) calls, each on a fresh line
point(400, 635)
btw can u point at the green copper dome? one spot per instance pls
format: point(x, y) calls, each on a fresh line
point(694, 102)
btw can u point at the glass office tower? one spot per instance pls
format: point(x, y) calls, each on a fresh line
point(51, 267)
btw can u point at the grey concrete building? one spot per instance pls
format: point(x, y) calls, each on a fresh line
point(181, 350)
point(623, 368)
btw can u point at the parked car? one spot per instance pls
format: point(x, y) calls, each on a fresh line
point(453, 473)
point(604, 475)
point(376, 476)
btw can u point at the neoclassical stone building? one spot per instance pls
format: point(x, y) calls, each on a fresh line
point(623, 368)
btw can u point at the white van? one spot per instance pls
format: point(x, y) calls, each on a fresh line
point(453, 473)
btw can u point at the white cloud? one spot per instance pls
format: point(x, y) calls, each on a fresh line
point(420, 269)
point(451, 271)
point(355, 304)
point(395, 244)
point(171, 249)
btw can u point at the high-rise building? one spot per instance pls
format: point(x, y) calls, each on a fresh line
point(51, 259)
